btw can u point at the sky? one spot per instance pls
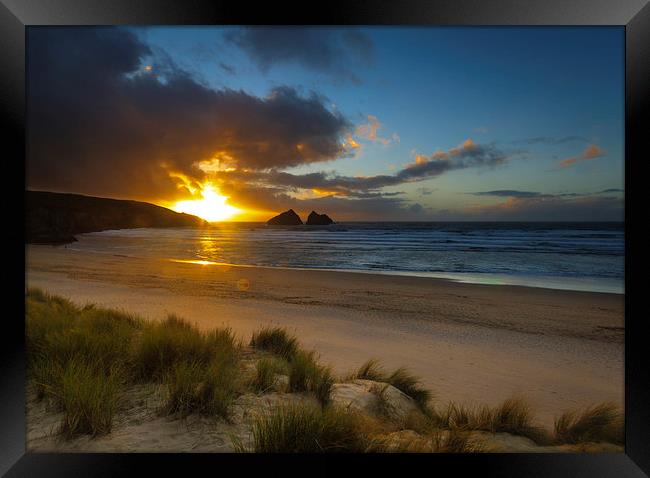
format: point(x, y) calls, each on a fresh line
point(364, 124)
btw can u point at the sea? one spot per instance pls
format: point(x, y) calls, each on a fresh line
point(574, 256)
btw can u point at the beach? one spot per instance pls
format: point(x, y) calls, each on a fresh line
point(470, 343)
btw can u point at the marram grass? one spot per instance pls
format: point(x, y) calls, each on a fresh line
point(307, 428)
point(401, 378)
point(598, 423)
point(277, 341)
point(266, 371)
point(81, 358)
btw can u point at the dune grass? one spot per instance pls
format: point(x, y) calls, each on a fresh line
point(88, 398)
point(306, 374)
point(277, 341)
point(162, 345)
point(411, 385)
point(370, 370)
point(58, 332)
point(512, 416)
point(598, 423)
point(81, 358)
point(401, 378)
point(307, 428)
point(434, 441)
point(266, 371)
point(194, 387)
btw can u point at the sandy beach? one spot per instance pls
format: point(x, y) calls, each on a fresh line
point(470, 343)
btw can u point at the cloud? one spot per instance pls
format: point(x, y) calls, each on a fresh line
point(467, 155)
point(227, 68)
point(101, 123)
point(369, 206)
point(368, 131)
point(324, 50)
point(510, 193)
point(551, 208)
point(550, 140)
point(507, 193)
point(536, 206)
point(426, 191)
point(592, 151)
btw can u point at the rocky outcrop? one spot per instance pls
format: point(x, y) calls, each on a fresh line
point(316, 219)
point(287, 218)
point(54, 218)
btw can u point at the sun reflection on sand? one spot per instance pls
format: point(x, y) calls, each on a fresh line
point(203, 263)
point(223, 267)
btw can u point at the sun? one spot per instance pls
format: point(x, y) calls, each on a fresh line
point(212, 207)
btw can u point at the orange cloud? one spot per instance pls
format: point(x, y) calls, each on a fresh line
point(369, 131)
point(465, 147)
point(592, 151)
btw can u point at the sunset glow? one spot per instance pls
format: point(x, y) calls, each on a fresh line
point(212, 207)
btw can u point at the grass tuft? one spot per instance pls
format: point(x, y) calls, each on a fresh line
point(266, 370)
point(371, 370)
point(435, 441)
point(513, 416)
point(307, 375)
point(194, 387)
point(80, 358)
point(88, 398)
point(306, 428)
point(277, 341)
point(411, 385)
point(401, 379)
point(599, 423)
point(163, 345)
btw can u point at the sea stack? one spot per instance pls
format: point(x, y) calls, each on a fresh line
point(316, 219)
point(287, 218)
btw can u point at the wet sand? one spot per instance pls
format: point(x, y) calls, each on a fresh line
point(470, 343)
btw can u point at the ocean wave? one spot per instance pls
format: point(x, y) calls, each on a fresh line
point(551, 250)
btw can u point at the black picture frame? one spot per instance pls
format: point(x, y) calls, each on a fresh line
point(15, 15)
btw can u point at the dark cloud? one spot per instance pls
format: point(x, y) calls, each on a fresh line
point(109, 116)
point(612, 190)
point(367, 206)
point(362, 195)
point(320, 49)
point(551, 208)
point(509, 193)
point(467, 155)
point(550, 140)
point(568, 206)
point(227, 68)
point(426, 191)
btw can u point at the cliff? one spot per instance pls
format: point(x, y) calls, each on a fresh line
point(52, 218)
